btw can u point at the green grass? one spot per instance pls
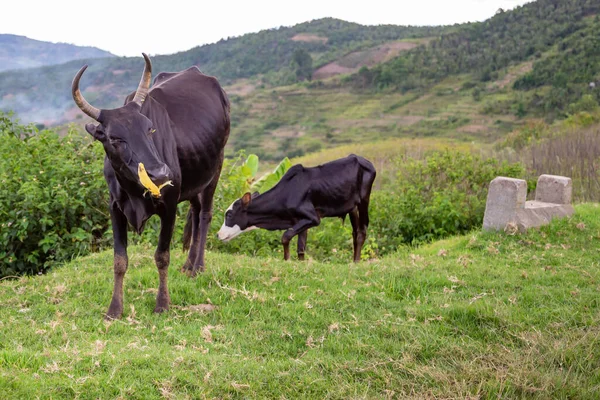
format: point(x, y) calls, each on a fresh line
point(478, 316)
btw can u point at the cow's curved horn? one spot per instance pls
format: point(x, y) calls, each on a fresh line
point(142, 90)
point(78, 97)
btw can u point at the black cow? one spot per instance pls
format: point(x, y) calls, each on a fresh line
point(302, 197)
point(177, 130)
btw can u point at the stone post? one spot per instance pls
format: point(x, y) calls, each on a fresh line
point(554, 189)
point(506, 196)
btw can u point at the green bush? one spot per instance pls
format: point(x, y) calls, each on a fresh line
point(53, 202)
point(442, 195)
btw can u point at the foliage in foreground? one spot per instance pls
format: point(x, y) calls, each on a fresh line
point(53, 206)
point(479, 316)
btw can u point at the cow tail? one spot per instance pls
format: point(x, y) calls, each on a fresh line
point(187, 231)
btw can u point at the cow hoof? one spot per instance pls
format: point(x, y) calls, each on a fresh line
point(111, 316)
point(190, 273)
point(161, 309)
point(115, 310)
point(186, 267)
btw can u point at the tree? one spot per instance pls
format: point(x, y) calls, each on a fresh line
point(302, 63)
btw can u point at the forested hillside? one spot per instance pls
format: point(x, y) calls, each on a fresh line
point(560, 36)
point(43, 94)
point(18, 52)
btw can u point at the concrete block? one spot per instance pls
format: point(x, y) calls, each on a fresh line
point(505, 197)
point(506, 208)
point(537, 213)
point(554, 189)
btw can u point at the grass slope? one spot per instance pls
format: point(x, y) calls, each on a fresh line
point(304, 118)
point(484, 315)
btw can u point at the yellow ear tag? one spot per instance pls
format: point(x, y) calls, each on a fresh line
point(147, 182)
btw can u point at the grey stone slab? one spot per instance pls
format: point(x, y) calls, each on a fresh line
point(554, 189)
point(505, 197)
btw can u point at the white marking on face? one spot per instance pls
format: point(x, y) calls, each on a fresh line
point(226, 233)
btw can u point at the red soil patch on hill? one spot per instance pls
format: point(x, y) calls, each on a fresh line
point(307, 37)
point(354, 61)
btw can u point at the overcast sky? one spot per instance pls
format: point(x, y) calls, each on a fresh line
point(129, 27)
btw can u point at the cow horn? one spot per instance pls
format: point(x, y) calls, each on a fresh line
point(142, 90)
point(78, 97)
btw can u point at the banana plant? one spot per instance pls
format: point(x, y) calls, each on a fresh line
point(270, 179)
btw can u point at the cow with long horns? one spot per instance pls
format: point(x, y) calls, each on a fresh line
point(165, 145)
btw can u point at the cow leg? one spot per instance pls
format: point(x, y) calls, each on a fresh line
point(363, 223)
point(119, 226)
point(300, 227)
point(206, 214)
point(162, 258)
point(194, 221)
point(302, 236)
point(354, 220)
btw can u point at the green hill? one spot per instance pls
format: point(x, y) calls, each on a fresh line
point(476, 83)
point(17, 52)
point(559, 37)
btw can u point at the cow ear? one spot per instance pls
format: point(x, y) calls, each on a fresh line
point(96, 132)
point(246, 198)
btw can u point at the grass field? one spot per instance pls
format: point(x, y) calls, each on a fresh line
point(478, 316)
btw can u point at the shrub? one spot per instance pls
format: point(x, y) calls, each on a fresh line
point(53, 202)
point(526, 135)
point(442, 195)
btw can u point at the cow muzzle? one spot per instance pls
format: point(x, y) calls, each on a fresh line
point(226, 233)
point(159, 175)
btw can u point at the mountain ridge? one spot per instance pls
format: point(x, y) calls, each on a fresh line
point(18, 52)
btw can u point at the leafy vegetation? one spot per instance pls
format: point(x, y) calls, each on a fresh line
point(52, 205)
point(475, 316)
point(485, 48)
point(568, 73)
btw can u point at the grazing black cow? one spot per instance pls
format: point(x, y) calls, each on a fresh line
point(302, 197)
point(175, 131)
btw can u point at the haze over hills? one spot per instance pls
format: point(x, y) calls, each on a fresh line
point(18, 52)
point(43, 94)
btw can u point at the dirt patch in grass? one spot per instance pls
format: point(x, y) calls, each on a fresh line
point(402, 120)
point(512, 76)
point(473, 128)
point(240, 88)
point(331, 69)
point(288, 132)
